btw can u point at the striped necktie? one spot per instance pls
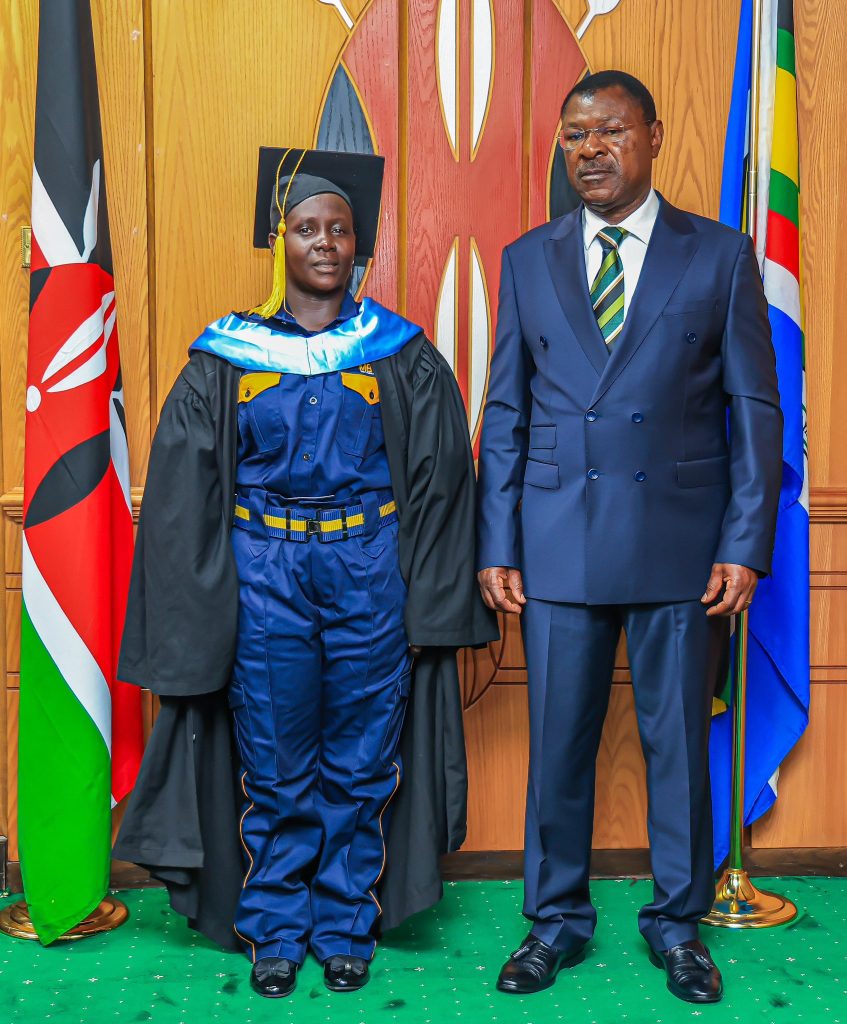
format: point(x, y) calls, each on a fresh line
point(607, 290)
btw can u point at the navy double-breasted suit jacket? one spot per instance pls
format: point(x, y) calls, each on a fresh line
point(612, 478)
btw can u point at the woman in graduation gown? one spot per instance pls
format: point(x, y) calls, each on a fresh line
point(303, 576)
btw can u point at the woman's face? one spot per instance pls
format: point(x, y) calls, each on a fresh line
point(320, 244)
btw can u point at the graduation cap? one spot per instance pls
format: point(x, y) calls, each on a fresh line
point(288, 177)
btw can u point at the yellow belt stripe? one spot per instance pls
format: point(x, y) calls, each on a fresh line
point(281, 523)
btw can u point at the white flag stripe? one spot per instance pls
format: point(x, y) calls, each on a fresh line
point(89, 225)
point(64, 645)
point(782, 289)
point(767, 91)
point(119, 446)
point(82, 338)
point(92, 367)
point(49, 229)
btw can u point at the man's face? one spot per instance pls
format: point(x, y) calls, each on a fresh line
point(611, 176)
point(320, 244)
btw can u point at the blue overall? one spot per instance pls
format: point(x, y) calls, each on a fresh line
point(322, 667)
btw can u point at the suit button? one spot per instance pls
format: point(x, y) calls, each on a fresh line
point(591, 415)
point(640, 477)
point(543, 341)
point(593, 474)
point(691, 337)
point(637, 417)
point(313, 400)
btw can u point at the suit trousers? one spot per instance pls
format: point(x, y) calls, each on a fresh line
point(676, 654)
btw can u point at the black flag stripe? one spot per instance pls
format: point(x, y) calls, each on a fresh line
point(70, 480)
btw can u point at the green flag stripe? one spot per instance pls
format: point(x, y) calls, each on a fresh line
point(616, 307)
point(784, 197)
point(64, 795)
point(785, 52)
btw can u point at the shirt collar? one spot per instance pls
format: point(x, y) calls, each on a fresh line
point(639, 223)
point(283, 320)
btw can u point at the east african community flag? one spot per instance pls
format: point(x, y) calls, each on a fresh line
point(778, 651)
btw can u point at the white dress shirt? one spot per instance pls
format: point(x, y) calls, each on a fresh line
point(632, 249)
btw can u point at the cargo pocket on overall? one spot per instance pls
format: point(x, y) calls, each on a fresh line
point(258, 394)
point(237, 703)
point(396, 715)
point(359, 429)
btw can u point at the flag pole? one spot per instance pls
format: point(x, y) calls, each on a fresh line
point(738, 903)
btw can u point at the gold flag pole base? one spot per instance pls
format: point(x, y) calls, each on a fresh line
point(739, 904)
point(111, 913)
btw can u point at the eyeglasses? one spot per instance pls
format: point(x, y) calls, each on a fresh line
point(614, 134)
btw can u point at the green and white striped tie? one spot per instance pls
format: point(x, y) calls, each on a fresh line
point(607, 290)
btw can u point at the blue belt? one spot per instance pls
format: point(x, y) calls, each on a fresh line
point(298, 523)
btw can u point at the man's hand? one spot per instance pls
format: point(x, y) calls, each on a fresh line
point(493, 583)
point(741, 584)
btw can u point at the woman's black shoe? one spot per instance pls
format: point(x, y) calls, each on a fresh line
point(345, 973)
point(691, 972)
point(273, 977)
point(535, 965)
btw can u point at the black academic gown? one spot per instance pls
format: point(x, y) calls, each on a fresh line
point(181, 822)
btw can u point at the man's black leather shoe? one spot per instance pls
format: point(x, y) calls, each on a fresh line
point(535, 965)
point(273, 977)
point(691, 972)
point(345, 973)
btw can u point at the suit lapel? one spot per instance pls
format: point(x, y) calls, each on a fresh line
point(672, 246)
point(565, 256)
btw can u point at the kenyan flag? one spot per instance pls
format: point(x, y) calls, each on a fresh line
point(80, 729)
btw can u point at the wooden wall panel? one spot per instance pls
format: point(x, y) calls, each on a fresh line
point(18, 27)
point(821, 35)
point(10, 760)
point(18, 39)
point(212, 109)
point(119, 42)
point(497, 738)
point(684, 52)
point(13, 629)
point(828, 557)
point(180, 153)
point(810, 810)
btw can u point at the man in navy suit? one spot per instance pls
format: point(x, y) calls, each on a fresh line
point(613, 497)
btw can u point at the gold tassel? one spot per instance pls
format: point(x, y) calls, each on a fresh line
point(274, 301)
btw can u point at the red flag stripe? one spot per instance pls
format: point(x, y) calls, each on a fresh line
point(783, 244)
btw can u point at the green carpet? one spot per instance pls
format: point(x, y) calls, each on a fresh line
point(440, 967)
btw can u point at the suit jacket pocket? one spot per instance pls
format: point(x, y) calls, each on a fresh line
point(541, 474)
point(542, 436)
point(697, 306)
point(703, 472)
